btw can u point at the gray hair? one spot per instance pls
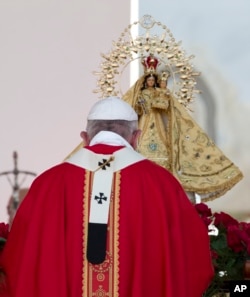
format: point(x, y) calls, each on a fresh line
point(121, 127)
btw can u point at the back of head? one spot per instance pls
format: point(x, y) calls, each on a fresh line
point(112, 114)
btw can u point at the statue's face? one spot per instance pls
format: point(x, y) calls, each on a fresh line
point(163, 84)
point(150, 81)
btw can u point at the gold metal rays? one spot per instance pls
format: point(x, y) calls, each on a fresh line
point(154, 39)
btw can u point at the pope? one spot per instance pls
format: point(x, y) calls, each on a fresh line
point(107, 222)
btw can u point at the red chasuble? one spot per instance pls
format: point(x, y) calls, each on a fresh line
point(157, 245)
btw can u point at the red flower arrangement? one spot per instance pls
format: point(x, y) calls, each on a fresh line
point(230, 247)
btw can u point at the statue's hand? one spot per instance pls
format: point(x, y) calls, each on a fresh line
point(142, 107)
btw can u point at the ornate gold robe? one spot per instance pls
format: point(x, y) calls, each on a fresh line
point(171, 138)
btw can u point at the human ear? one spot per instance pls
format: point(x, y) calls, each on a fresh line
point(85, 138)
point(135, 137)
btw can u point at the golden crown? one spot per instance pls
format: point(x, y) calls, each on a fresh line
point(164, 76)
point(150, 64)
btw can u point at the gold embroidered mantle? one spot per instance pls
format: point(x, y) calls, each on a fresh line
point(171, 138)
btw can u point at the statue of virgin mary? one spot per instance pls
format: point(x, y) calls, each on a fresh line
point(171, 138)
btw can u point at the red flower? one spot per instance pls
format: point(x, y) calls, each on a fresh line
point(4, 230)
point(203, 210)
point(246, 227)
point(234, 236)
point(225, 220)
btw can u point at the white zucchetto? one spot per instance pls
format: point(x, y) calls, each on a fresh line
point(112, 108)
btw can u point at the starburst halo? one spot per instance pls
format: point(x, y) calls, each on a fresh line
point(154, 39)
